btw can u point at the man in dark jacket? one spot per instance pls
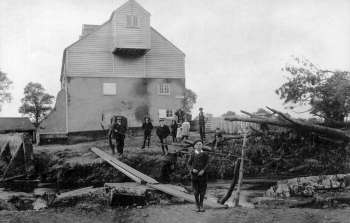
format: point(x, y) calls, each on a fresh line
point(147, 127)
point(201, 122)
point(163, 132)
point(198, 164)
point(117, 131)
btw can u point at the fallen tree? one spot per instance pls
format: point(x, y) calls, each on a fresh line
point(283, 121)
point(287, 146)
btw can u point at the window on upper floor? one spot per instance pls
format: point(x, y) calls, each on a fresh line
point(165, 113)
point(132, 21)
point(109, 88)
point(169, 113)
point(164, 89)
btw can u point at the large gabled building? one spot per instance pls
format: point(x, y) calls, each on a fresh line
point(122, 67)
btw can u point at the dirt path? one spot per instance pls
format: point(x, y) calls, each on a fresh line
point(178, 213)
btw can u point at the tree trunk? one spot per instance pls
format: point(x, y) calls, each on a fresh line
point(233, 182)
point(240, 172)
point(296, 124)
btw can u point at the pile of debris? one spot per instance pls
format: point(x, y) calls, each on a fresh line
point(309, 186)
point(313, 191)
point(124, 195)
point(16, 159)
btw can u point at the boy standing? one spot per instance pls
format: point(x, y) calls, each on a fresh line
point(163, 132)
point(218, 139)
point(198, 164)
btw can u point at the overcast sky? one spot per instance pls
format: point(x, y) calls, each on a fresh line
point(235, 49)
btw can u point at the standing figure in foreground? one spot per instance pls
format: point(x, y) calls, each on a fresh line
point(201, 122)
point(173, 129)
point(147, 127)
point(198, 164)
point(163, 132)
point(117, 131)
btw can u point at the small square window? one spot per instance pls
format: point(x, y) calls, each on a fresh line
point(169, 113)
point(109, 88)
point(164, 89)
point(132, 21)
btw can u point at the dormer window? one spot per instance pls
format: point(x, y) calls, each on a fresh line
point(132, 21)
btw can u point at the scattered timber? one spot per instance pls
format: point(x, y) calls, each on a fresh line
point(141, 178)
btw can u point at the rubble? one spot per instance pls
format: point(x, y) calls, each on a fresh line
point(307, 186)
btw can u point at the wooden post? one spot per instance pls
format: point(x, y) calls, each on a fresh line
point(233, 182)
point(240, 171)
point(216, 143)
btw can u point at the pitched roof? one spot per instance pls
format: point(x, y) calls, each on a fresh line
point(16, 124)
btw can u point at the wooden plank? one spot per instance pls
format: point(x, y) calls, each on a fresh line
point(139, 177)
point(106, 157)
point(76, 192)
point(127, 170)
point(188, 197)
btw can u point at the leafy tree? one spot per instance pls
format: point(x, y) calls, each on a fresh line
point(229, 113)
point(5, 83)
point(189, 100)
point(326, 92)
point(36, 103)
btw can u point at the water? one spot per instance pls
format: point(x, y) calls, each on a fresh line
point(250, 189)
point(41, 189)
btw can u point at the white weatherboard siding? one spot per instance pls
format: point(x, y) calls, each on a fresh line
point(131, 37)
point(102, 77)
point(91, 58)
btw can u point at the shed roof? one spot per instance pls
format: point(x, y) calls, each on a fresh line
point(16, 124)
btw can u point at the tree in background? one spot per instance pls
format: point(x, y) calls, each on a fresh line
point(5, 83)
point(229, 113)
point(36, 103)
point(189, 100)
point(326, 92)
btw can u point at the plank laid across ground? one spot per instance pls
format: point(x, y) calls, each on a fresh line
point(187, 197)
point(138, 177)
point(127, 170)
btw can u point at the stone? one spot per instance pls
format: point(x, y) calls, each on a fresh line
point(39, 204)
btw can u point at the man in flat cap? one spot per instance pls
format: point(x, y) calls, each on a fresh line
point(117, 131)
point(201, 122)
point(163, 132)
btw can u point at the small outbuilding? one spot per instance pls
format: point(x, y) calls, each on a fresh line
point(16, 125)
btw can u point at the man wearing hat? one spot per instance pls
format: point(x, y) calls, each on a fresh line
point(201, 122)
point(147, 127)
point(163, 132)
point(117, 131)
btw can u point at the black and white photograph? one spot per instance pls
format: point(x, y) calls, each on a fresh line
point(164, 111)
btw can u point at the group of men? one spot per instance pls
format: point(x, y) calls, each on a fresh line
point(180, 129)
point(199, 159)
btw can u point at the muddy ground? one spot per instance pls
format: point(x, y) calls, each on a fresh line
point(177, 213)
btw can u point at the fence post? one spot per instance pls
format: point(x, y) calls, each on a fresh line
point(240, 178)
